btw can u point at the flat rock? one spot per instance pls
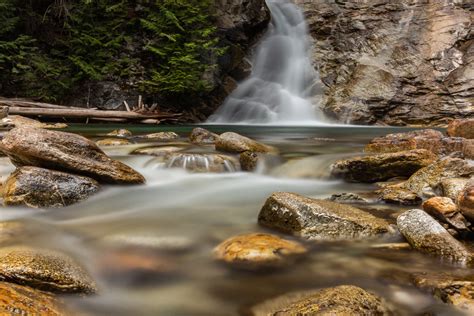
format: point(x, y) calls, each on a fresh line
point(255, 251)
point(446, 211)
point(235, 143)
point(455, 290)
point(461, 128)
point(38, 187)
point(21, 300)
point(112, 142)
point(202, 162)
point(318, 219)
point(339, 300)
point(382, 167)
point(425, 234)
point(161, 136)
point(398, 195)
point(201, 136)
point(66, 152)
point(466, 201)
point(44, 269)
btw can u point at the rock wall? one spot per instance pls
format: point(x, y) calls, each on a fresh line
point(403, 62)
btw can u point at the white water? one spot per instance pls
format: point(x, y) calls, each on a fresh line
point(283, 87)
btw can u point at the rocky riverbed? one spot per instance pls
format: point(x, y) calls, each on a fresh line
point(194, 222)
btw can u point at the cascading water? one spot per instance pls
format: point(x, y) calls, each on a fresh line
point(283, 86)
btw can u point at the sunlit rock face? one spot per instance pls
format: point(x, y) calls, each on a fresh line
point(404, 62)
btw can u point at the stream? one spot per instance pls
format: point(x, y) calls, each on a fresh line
point(150, 247)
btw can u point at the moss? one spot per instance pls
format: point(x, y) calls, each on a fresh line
point(48, 47)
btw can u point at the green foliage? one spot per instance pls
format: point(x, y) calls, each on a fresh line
point(48, 47)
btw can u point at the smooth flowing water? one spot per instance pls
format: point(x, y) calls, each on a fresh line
point(283, 88)
point(150, 247)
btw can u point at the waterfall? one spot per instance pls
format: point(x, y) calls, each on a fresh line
point(283, 87)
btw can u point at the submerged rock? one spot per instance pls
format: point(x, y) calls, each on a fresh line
point(201, 136)
point(382, 166)
point(67, 152)
point(425, 234)
point(235, 143)
point(318, 219)
point(38, 187)
point(466, 201)
point(112, 142)
point(22, 300)
point(451, 289)
point(120, 133)
point(255, 251)
point(461, 128)
point(339, 300)
point(44, 269)
point(202, 162)
point(349, 198)
point(446, 211)
point(313, 167)
point(161, 136)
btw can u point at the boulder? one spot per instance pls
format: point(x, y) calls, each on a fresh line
point(44, 269)
point(425, 234)
point(20, 121)
point(461, 128)
point(21, 300)
point(66, 152)
point(201, 136)
point(161, 136)
point(456, 290)
point(38, 187)
point(318, 219)
point(120, 133)
point(452, 187)
point(112, 142)
point(382, 167)
point(235, 143)
point(466, 201)
point(202, 162)
point(446, 211)
point(256, 251)
point(339, 300)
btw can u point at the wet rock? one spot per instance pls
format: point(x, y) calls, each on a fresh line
point(411, 63)
point(318, 219)
point(255, 251)
point(349, 198)
point(452, 187)
point(340, 300)
point(120, 133)
point(161, 136)
point(466, 201)
point(249, 160)
point(158, 151)
point(22, 300)
point(201, 136)
point(461, 128)
point(451, 289)
point(38, 187)
point(446, 211)
point(202, 162)
point(397, 195)
point(20, 121)
point(44, 269)
point(113, 142)
point(235, 143)
point(382, 167)
point(425, 180)
point(65, 152)
point(421, 139)
point(425, 234)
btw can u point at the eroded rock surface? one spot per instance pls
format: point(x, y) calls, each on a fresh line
point(66, 152)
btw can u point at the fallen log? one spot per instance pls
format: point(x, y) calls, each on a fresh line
point(87, 113)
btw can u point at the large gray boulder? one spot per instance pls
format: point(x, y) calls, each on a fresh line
point(318, 219)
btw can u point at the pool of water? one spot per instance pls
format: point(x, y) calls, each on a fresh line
point(170, 226)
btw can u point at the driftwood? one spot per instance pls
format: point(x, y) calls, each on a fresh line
point(28, 108)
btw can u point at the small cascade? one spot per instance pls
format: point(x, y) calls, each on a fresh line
point(283, 86)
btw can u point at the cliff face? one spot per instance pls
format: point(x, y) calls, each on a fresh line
point(401, 62)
